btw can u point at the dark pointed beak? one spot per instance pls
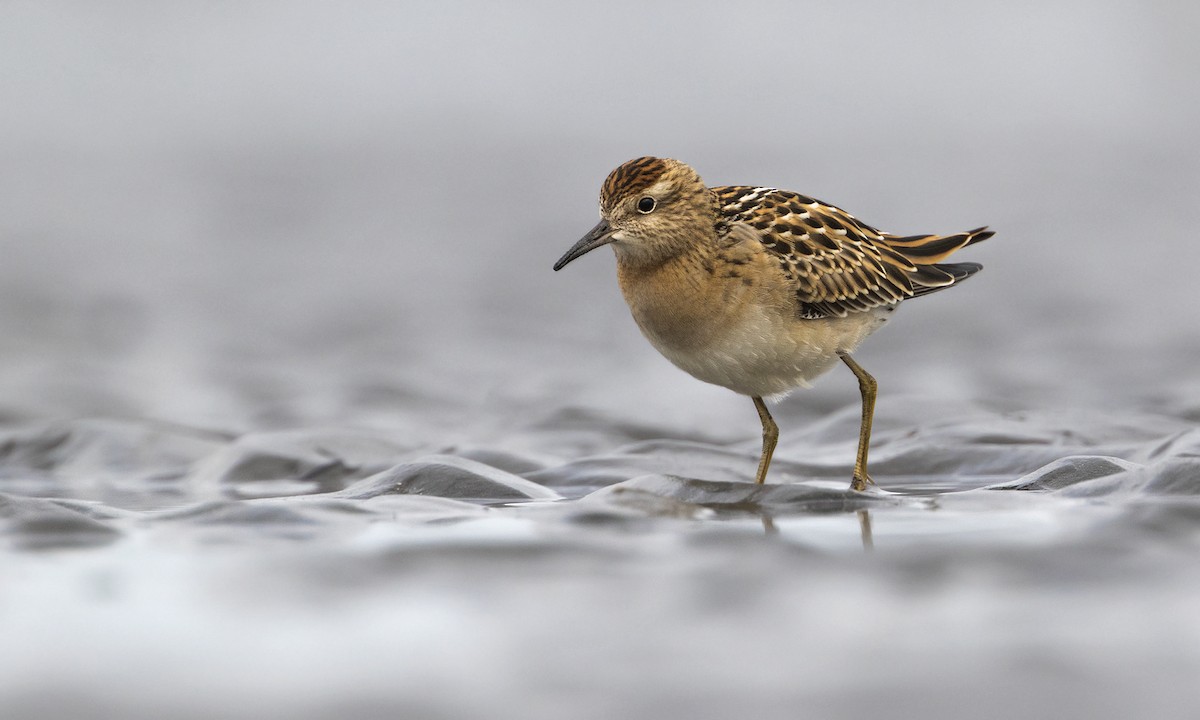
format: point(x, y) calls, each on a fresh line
point(602, 234)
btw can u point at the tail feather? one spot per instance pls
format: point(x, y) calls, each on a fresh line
point(929, 249)
point(931, 278)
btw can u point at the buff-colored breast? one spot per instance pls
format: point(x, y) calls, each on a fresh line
point(737, 325)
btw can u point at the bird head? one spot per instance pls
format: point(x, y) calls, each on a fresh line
point(650, 209)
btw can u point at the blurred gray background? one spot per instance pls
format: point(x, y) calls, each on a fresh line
point(256, 215)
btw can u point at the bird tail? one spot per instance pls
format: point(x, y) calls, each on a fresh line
point(929, 249)
point(926, 253)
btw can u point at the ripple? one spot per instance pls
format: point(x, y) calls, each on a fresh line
point(294, 463)
point(449, 477)
point(814, 496)
point(1068, 471)
point(37, 524)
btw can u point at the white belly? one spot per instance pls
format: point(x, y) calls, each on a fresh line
point(765, 354)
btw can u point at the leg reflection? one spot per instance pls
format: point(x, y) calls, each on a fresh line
point(768, 524)
point(864, 528)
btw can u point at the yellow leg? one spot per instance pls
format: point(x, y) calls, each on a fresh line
point(867, 386)
point(770, 437)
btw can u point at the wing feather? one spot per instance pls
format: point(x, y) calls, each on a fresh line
point(838, 263)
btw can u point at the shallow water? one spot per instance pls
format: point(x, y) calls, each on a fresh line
point(160, 571)
point(296, 421)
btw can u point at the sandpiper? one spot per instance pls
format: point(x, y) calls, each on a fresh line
point(757, 289)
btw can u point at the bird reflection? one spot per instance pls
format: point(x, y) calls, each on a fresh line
point(864, 528)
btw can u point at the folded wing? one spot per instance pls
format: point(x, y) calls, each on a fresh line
point(839, 264)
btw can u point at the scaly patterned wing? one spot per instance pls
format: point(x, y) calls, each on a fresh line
point(838, 263)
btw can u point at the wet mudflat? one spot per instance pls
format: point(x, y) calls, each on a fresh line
point(319, 574)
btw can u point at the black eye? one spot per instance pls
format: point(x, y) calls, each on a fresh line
point(646, 204)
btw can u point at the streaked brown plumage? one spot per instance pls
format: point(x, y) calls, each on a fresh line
point(757, 289)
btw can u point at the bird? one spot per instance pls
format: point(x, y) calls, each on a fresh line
point(757, 289)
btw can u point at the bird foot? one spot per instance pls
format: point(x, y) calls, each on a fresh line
point(860, 482)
